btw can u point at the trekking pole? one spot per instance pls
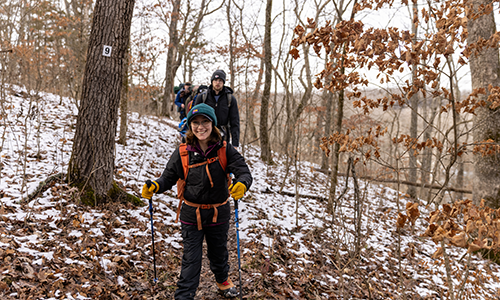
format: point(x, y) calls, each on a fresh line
point(153, 236)
point(238, 242)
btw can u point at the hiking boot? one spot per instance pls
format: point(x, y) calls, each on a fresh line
point(227, 289)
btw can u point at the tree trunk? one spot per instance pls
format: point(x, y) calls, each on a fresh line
point(412, 172)
point(91, 166)
point(252, 104)
point(293, 112)
point(485, 70)
point(336, 148)
point(231, 46)
point(328, 99)
point(429, 112)
point(171, 62)
point(264, 110)
point(124, 103)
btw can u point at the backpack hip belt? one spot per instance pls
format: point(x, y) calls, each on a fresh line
point(202, 206)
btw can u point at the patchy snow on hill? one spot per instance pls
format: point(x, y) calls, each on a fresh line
point(52, 247)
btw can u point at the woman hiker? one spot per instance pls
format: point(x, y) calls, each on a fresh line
point(204, 194)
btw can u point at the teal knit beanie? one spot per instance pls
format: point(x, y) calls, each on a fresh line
point(204, 110)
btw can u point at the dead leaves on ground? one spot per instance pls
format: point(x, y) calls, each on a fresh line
point(96, 266)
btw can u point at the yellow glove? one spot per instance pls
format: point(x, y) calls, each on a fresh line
point(237, 190)
point(149, 188)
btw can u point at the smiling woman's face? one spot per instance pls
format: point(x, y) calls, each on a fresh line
point(201, 127)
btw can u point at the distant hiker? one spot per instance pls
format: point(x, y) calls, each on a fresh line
point(199, 89)
point(177, 88)
point(181, 97)
point(221, 98)
point(200, 167)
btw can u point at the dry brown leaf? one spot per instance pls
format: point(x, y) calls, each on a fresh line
point(401, 221)
point(473, 248)
point(413, 212)
point(430, 230)
point(439, 252)
point(459, 240)
point(439, 234)
point(434, 217)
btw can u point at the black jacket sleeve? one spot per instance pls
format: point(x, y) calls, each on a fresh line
point(234, 122)
point(173, 171)
point(236, 164)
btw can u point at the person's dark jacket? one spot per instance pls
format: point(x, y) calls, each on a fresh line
point(198, 189)
point(181, 97)
point(227, 117)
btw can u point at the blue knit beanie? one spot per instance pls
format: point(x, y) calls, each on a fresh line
point(204, 110)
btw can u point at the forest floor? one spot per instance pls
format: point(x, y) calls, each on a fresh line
point(53, 247)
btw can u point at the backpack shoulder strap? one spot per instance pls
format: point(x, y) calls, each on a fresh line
point(181, 183)
point(230, 100)
point(221, 153)
point(203, 97)
point(184, 158)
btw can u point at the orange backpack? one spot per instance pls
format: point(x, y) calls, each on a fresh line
point(181, 183)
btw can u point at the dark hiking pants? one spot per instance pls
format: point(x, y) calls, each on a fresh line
point(216, 239)
point(182, 114)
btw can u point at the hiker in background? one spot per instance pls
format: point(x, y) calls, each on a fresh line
point(199, 89)
point(221, 98)
point(181, 97)
point(200, 168)
point(177, 88)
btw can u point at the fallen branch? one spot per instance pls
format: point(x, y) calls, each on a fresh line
point(44, 185)
point(284, 193)
point(385, 180)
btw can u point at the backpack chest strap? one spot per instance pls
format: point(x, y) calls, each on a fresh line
point(206, 163)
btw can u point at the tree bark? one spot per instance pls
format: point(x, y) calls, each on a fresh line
point(124, 103)
point(328, 99)
point(171, 62)
point(264, 110)
point(412, 172)
point(91, 165)
point(485, 70)
point(231, 47)
point(252, 104)
point(336, 148)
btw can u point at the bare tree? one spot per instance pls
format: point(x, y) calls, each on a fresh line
point(181, 40)
point(485, 70)
point(91, 167)
point(412, 172)
point(231, 45)
point(265, 145)
point(171, 54)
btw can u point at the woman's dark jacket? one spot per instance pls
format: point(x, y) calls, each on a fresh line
point(198, 188)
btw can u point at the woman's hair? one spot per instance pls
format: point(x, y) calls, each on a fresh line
point(214, 137)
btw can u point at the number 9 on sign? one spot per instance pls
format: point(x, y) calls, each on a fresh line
point(106, 51)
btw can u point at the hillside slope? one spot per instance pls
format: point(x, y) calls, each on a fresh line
point(51, 247)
